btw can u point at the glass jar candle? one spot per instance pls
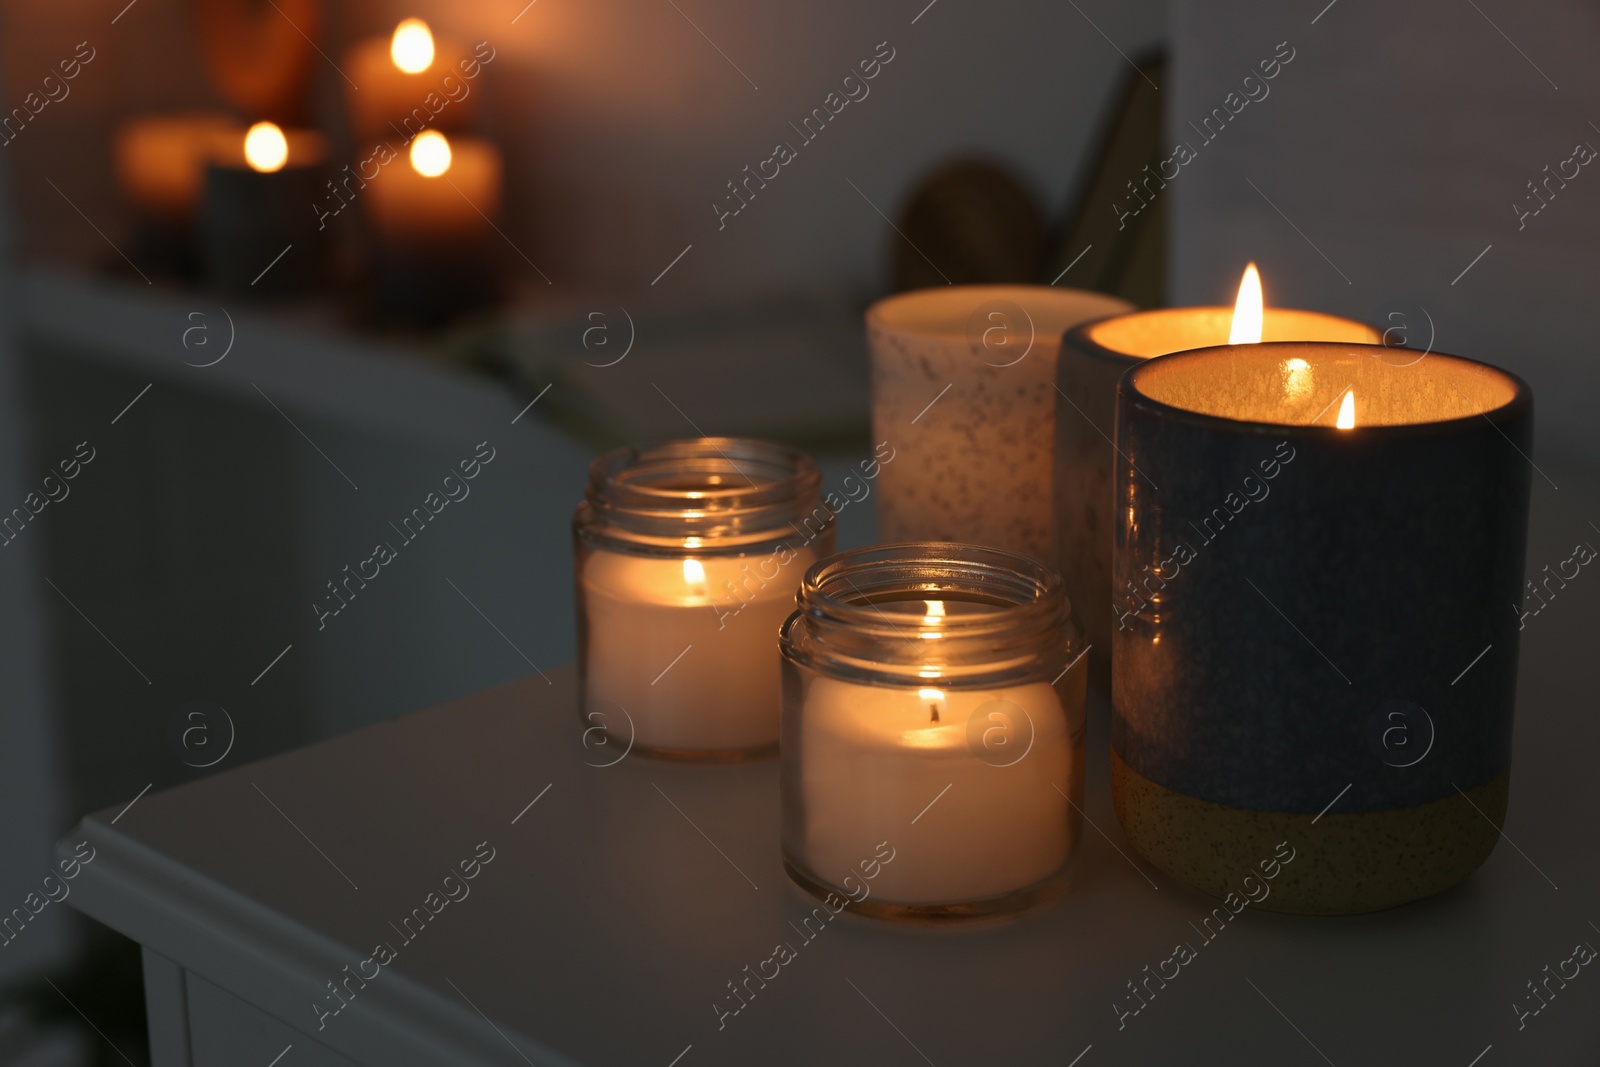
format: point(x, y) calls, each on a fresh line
point(933, 731)
point(687, 559)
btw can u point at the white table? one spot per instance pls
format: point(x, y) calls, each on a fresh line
point(621, 902)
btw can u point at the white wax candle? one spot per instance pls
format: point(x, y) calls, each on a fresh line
point(641, 613)
point(872, 759)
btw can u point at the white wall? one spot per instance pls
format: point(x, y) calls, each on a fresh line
point(1397, 141)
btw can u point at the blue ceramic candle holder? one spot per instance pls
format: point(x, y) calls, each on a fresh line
point(1317, 549)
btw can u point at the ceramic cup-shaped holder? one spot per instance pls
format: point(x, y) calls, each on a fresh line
point(1314, 643)
point(1093, 357)
point(963, 388)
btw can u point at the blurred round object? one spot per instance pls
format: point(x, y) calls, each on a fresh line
point(976, 222)
point(258, 234)
point(258, 53)
point(160, 160)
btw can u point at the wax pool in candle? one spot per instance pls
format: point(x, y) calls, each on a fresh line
point(641, 613)
point(872, 758)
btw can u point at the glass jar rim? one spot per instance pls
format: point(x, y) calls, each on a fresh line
point(732, 489)
point(1020, 586)
point(1022, 626)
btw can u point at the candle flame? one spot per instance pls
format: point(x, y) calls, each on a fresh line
point(693, 573)
point(1347, 412)
point(412, 46)
point(265, 148)
point(1247, 310)
point(430, 154)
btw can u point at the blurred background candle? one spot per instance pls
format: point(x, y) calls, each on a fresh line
point(434, 251)
point(963, 387)
point(930, 709)
point(442, 193)
point(407, 82)
point(161, 161)
point(1314, 543)
point(259, 230)
point(1093, 357)
point(688, 557)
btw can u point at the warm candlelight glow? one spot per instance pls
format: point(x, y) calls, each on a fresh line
point(693, 572)
point(412, 46)
point(1298, 378)
point(430, 154)
point(265, 148)
point(1347, 412)
point(1247, 310)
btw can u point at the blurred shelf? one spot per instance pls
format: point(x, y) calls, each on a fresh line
point(298, 358)
point(792, 367)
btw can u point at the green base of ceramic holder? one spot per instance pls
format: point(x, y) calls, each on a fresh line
point(1344, 862)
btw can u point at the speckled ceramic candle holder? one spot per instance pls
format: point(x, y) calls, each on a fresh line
point(963, 389)
point(1093, 356)
point(1315, 642)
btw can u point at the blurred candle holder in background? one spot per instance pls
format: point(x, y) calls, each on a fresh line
point(1093, 357)
point(687, 558)
point(1313, 546)
point(433, 249)
point(160, 163)
point(408, 82)
point(931, 713)
point(259, 232)
point(963, 387)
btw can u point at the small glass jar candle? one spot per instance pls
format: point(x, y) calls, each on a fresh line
point(687, 559)
point(933, 731)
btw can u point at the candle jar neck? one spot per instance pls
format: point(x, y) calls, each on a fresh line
point(933, 614)
point(715, 493)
